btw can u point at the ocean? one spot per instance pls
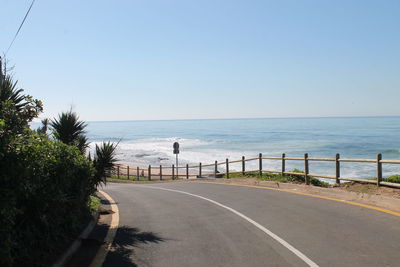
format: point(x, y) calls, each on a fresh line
point(150, 142)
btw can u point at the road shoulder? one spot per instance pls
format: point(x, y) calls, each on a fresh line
point(377, 200)
point(91, 245)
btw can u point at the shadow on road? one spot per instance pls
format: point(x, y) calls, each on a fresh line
point(106, 202)
point(125, 241)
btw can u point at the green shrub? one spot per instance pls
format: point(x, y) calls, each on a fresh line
point(94, 203)
point(45, 187)
point(318, 182)
point(297, 178)
point(393, 179)
point(282, 178)
point(274, 177)
point(314, 181)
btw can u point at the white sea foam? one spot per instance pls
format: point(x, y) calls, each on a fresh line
point(158, 151)
point(205, 141)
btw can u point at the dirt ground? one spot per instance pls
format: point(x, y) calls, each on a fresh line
point(372, 189)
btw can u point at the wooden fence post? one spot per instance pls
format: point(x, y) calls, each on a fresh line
point(149, 172)
point(173, 171)
point(127, 168)
point(187, 171)
point(216, 169)
point(306, 170)
point(378, 169)
point(283, 164)
point(200, 170)
point(260, 163)
point(118, 171)
point(243, 166)
point(137, 173)
point(160, 172)
point(227, 168)
point(337, 176)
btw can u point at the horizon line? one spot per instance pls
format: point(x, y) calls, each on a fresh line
point(253, 118)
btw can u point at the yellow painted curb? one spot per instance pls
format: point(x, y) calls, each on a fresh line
point(395, 213)
point(106, 247)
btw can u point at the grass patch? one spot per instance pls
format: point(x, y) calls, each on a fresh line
point(121, 178)
point(131, 178)
point(392, 179)
point(94, 203)
point(280, 178)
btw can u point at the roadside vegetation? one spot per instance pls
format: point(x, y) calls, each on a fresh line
point(280, 178)
point(47, 181)
point(94, 203)
point(124, 178)
point(392, 179)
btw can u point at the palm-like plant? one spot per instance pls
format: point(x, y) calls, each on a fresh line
point(16, 108)
point(70, 130)
point(9, 92)
point(82, 143)
point(104, 161)
point(45, 125)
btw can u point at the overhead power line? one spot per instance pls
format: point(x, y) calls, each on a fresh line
point(20, 26)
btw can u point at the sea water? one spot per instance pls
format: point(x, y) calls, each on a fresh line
point(150, 142)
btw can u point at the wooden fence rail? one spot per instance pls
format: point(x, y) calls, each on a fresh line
point(199, 170)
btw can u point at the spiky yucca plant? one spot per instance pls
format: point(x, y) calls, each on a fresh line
point(70, 130)
point(9, 92)
point(104, 161)
point(16, 109)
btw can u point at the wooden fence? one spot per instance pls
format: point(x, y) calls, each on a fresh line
point(200, 171)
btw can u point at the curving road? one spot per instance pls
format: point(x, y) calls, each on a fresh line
point(199, 224)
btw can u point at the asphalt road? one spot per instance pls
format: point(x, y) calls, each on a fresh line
point(198, 224)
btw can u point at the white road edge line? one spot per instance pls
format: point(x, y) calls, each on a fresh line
point(256, 224)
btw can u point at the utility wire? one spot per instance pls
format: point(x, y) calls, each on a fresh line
point(20, 26)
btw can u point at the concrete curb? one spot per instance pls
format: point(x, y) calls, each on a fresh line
point(111, 232)
point(73, 248)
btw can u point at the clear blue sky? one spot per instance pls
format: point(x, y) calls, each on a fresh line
point(134, 60)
